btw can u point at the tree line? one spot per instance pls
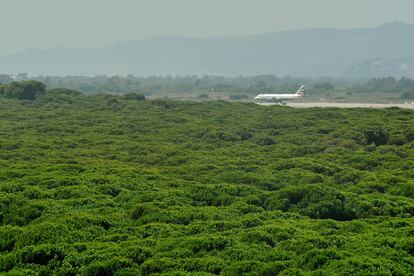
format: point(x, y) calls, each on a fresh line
point(236, 88)
point(23, 90)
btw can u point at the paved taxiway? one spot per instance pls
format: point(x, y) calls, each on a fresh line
point(344, 105)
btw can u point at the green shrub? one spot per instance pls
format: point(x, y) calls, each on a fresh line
point(376, 135)
point(314, 201)
point(106, 268)
point(274, 268)
point(257, 236)
point(347, 177)
point(41, 255)
point(133, 96)
point(265, 141)
point(409, 134)
point(157, 266)
point(243, 267)
point(16, 210)
point(317, 258)
point(139, 254)
point(24, 90)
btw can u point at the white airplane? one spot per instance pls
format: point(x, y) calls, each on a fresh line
point(279, 98)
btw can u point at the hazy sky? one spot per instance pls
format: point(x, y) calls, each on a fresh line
point(90, 23)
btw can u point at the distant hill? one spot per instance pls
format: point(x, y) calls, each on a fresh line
point(382, 67)
point(308, 53)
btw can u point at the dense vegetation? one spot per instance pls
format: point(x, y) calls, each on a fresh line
point(24, 90)
point(98, 185)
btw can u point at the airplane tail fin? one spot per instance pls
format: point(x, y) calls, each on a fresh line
point(301, 91)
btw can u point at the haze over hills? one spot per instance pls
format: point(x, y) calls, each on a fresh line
point(358, 53)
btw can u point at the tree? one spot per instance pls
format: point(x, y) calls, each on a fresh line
point(407, 95)
point(324, 86)
point(24, 90)
point(376, 135)
point(134, 96)
point(405, 83)
point(64, 91)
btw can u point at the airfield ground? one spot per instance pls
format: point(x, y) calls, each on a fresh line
point(344, 105)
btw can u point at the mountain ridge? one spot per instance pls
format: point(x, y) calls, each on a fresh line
point(303, 52)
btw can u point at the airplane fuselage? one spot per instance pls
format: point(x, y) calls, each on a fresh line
point(277, 97)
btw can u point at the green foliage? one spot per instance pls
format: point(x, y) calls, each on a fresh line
point(390, 85)
point(376, 135)
point(63, 91)
point(106, 268)
point(324, 86)
point(315, 202)
point(24, 90)
point(134, 96)
point(118, 185)
point(408, 95)
point(409, 133)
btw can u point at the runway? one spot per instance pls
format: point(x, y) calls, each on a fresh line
point(344, 105)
